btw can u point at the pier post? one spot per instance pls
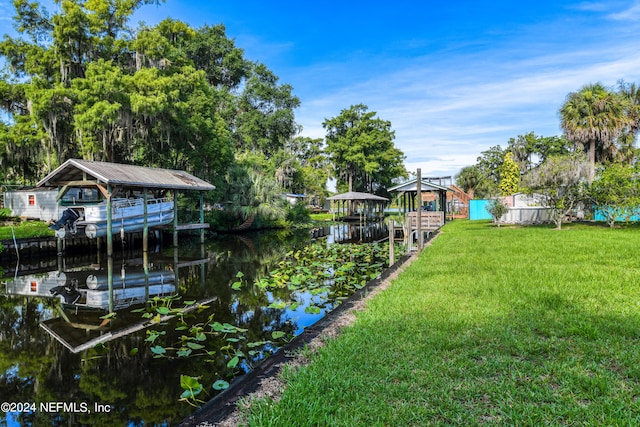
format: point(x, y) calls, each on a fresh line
point(419, 211)
point(392, 240)
point(175, 218)
point(145, 227)
point(202, 217)
point(109, 247)
point(109, 222)
point(110, 282)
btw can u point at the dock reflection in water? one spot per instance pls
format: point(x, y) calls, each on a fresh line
point(66, 335)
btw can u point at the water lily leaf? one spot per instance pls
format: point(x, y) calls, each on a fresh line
point(280, 305)
point(191, 386)
point(236, 286)
point(108, 316)
point(191, 302)
point(234, 328)
point(158, 350)
point(312, 309)
point(277, 334)
point(239, 274)
point(220, 385)
point(185, 352)
point(163, 310)
point(153, 335)
point(233, 362)
point(201, 336)
point(133, 351)
point(297, 279)
point(194, 345)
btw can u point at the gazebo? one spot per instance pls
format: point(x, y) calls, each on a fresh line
point(356, 206)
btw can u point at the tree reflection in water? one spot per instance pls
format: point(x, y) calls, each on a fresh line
point(140, 385)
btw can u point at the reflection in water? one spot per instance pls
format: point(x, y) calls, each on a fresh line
point(66, 336)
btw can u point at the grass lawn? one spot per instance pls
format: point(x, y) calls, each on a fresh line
point(490, 326)
point(25, 230)
point(321, 216)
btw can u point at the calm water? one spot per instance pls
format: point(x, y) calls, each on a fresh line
point(63, 362)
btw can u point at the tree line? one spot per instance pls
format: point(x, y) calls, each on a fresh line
point(82, 83)
point(594, 163)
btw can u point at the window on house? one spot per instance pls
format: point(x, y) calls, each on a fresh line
point(32, 200)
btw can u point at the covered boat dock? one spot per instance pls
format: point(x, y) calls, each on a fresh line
point(114, 180)
point(423, 203)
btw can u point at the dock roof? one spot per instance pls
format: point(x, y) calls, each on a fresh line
point(412, 186)
point(354, 195)
point(75, 170)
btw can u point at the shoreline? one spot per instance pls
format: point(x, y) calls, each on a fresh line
point(225, 410)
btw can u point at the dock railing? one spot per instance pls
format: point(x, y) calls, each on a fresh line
point(430, 221)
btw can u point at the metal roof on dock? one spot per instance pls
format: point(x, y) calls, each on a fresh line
point(74, 170)
point(354, 195)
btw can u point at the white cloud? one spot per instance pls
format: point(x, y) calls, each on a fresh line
point(631, 13)
point(446, 111)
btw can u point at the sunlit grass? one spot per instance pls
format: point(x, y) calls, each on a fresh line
point(25, 230)
point(497, 326)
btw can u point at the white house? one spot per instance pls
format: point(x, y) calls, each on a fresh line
point(34, 203)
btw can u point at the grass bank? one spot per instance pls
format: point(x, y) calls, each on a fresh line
point(25, 230)
point(490, 326)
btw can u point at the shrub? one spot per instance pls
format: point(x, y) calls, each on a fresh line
point(298, 213)
point(497, 209)
point(5, 213)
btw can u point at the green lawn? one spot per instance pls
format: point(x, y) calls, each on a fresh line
point(490, 326)
point(25, 230)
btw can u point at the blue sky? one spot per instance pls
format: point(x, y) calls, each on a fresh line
point(454, 78)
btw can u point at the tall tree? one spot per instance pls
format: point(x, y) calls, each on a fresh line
point(489, 163)
point(530, 150)
point(211, 51)
point(509, 175)
point(631, 92)
point(265, 119)
point(595, 117)
point(360, 145)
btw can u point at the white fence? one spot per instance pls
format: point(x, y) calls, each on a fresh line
point(527, 215)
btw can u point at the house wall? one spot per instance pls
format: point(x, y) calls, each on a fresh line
point(39, 204)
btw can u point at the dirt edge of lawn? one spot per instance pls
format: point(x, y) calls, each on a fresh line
point(265, 381)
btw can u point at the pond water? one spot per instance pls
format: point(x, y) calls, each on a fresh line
point(142, 339)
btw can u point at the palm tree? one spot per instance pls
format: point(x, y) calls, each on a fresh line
point(595, 117)
point(631, 92)
point(474, 182)
point(251, 194)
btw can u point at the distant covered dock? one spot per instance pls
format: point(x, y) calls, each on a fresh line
point(356, 206)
